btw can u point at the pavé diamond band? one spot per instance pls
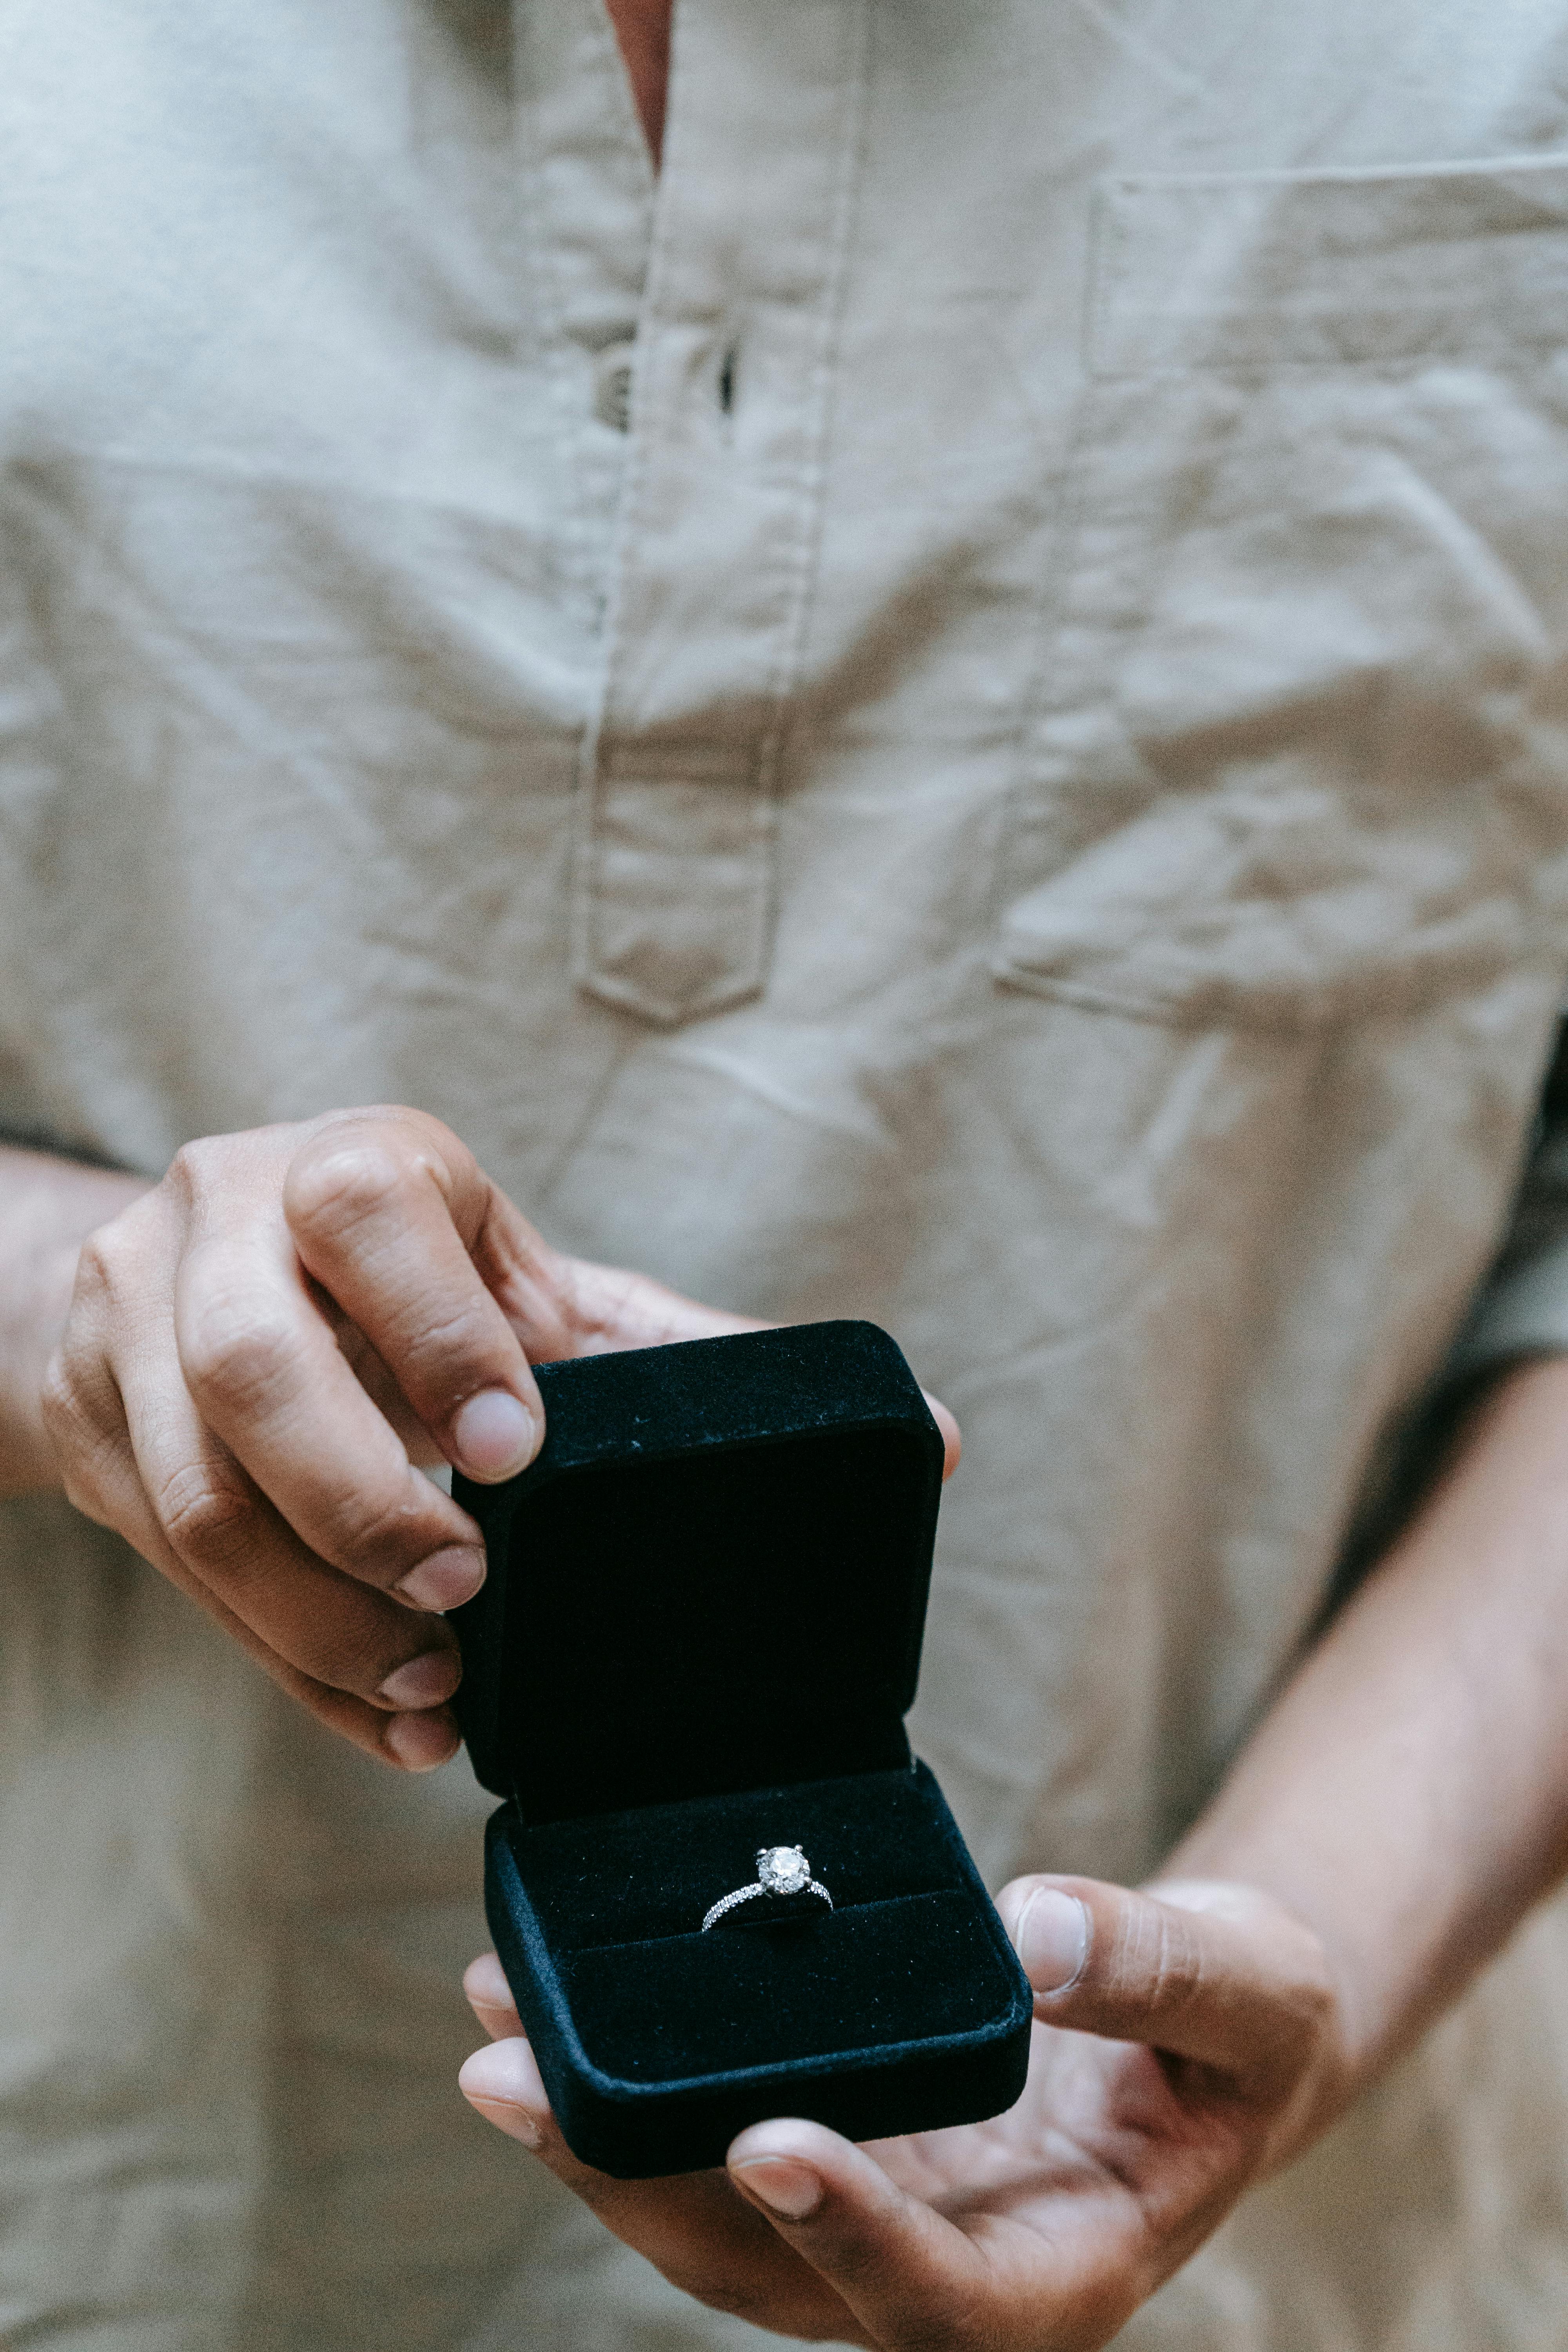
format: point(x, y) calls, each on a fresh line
point(781, 1870)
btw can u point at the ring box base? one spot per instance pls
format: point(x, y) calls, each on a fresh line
point(899, 2010)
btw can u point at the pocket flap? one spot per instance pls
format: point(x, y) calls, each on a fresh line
point(1338, 267)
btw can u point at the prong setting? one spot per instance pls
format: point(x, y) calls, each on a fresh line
point(784, 1873)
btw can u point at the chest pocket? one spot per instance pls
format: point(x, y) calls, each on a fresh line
point(1300, 754)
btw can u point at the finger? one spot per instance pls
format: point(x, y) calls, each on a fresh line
point(1247, 1995)
point(907, 2275)
point(952, 1435)
point(489, 1998)
point(691, 2225)
point(326, 1625)
point(261, 1364)
point(577, 1309)
point(572, 1307)
point(381, 1388)
point(503, 2082)
point(125, 1414)
point(390, 1212)
point(104, 1483)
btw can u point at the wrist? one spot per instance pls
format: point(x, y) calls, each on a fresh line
point(47, 1207)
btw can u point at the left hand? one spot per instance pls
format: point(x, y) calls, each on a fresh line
point(1187, 2042)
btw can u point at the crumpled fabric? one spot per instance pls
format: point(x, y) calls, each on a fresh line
point(955, 715)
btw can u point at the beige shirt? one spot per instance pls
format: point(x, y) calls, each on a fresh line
point(955, 715)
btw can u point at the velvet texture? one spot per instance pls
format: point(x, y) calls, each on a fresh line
point(713, 1576)
point(698, 1635)
point(901, 2010)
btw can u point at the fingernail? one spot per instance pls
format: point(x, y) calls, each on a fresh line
point(493, 1434)
point(445, 1579)
point(504, 2083)
point(1052, 1939)
point(428, 1680)
point(420, 1742)
point(782, 2185)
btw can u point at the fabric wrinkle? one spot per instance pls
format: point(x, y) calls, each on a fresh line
point(1036, 815)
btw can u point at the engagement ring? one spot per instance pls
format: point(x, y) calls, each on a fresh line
point(782, 1870)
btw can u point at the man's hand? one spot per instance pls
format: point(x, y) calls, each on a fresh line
point(1380, 1835)
point(1187, 2041)
point(262, 1347)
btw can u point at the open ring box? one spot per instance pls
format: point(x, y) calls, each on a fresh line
point(699, 1636)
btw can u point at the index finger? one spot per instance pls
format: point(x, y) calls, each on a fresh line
point(388, 1211)
point(270, 1382)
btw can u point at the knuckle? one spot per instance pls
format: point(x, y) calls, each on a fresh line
point(100, 1270)
point(444, 1350)
point(368, 1639)
point(65, 1413)
point(191, 1172)
point(73, 1424)
point(339, 1180)
point(92, 1264)
point(336, 1638)
point(1307, 2022)
point(118, 1271)
point(358, 1661)
point(235, 1351)
point(207, 1513)
point(365, 1529)
point(1171, 1965)
point(82, 1451)
point(1319, 2005)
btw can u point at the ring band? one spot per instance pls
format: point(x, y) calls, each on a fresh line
point(782, 1870)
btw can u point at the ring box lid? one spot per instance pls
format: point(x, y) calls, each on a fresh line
point(712, 1578)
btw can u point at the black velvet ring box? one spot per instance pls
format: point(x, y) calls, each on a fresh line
point(699, 1636)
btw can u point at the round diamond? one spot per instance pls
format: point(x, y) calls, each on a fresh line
point(784, 1869)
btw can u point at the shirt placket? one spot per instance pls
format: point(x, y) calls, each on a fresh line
point(713, 557)
point(588, 199)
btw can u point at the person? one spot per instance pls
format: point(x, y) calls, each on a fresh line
point(949, 708)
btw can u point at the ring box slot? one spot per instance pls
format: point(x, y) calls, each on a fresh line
point(698, 1635)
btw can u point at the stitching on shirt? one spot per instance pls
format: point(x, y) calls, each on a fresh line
point(1116, 240)
point(850, 143)
point(758, 773)
point(582, 861)
point(540, 264)
point(1028, 795)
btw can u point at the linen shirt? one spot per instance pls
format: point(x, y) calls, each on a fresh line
point(955, 714)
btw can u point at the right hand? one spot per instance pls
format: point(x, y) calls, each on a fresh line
point(1189, 2039)
point(261, 1349)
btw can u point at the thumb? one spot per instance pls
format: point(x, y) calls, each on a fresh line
point(1222, 1975)
point(906, 2273)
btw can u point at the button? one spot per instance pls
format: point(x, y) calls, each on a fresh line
point(613, 387)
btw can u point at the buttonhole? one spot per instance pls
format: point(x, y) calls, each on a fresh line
point(612, 388)
point(727, 367)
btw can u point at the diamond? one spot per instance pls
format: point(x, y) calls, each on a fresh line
point(784, 1869)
